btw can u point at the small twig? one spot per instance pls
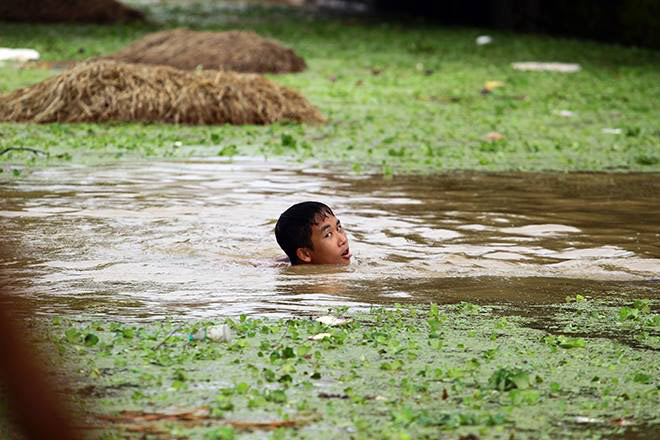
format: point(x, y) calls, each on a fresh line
point(168, 337)
point(286, 332)
point(149, 423)
point(31, 150)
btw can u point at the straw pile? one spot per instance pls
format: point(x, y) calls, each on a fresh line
point(236, 51)
point(109, 91)
point(95, 11)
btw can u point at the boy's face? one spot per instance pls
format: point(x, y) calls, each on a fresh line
point(330, 244)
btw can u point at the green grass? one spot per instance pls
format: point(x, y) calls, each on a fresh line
point(408, 372)
point(399, 98)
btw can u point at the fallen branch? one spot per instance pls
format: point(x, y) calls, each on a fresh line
point(139, 421)
point(140, 416)
point(167, 337)
point(31, 150)
point(268, 426)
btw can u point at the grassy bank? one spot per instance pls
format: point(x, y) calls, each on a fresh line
point(407, 372)
point(398, 98)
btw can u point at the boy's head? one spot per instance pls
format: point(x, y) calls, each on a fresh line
point(309, 232)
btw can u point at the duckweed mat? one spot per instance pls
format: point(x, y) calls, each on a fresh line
point(459, 371)
point(400, 97)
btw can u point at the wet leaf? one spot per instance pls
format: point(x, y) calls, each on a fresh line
point(223, 403)
point(643, 378)
point(222, 433)
point(269, 375)
point(277, 396)
point(524, 397)
point(229, 150)
point(72, 335)
point(128, 332)
point(91, 339)
point(505, 379)
point(403, 416)
point(242, 388)
point(564, 341)
point(288, 140)
point(647, 159)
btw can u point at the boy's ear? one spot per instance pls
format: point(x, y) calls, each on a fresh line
point(304, 255)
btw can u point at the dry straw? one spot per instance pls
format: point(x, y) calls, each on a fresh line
point(110, 91)
point(236, 51)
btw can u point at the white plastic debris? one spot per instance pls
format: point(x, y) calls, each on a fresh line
point(220, 333)
point(608, 130)
point(484, 39)
point(17, 55)
point(565, 113)
point(331, 320)
point(586, 420)
point(320, 336)
point(622, 422)
point(546, 67)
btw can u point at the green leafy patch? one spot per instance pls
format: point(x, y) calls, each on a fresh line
point(410, 371)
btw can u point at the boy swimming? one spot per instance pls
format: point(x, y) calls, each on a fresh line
point(309, 233)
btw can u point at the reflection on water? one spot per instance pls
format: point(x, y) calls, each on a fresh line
point(194, 238)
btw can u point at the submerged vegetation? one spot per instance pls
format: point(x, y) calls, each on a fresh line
point(400, 373)
point(398, 97)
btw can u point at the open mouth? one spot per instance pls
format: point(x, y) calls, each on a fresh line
point(346, 254)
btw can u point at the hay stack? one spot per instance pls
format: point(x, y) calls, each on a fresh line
point(236, 51)
point(109, 91)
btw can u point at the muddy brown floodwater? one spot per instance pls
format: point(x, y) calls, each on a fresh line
point(195, 238)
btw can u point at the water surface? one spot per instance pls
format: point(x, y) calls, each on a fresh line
point(195, 238)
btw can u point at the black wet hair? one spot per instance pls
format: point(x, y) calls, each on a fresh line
point(294, 227)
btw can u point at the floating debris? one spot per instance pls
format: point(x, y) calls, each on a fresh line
point(546, 67)
point(331, 320)
point(565, 113)
point(586, 420)
point(493, 136)
point(489, 86)
point(18, 56)
point(483, 40)
point(219, 333)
